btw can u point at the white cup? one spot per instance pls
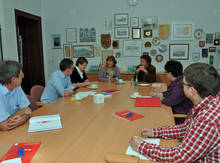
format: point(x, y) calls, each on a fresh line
point(120, 80)
point(136, 94)
point(98, 98)
point(77, 96)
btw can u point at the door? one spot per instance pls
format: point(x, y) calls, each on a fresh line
point(30, 51)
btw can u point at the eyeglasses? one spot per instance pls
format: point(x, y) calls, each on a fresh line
point(186, 84)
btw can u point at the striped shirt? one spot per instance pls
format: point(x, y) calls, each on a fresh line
point(200, 135)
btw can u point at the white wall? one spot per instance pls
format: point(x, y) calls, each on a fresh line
point(59, 15)
point(8, 26)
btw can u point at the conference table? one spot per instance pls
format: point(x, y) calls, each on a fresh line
point(89, 130)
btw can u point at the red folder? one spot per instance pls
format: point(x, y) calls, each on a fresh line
point(128, 115)
point(147, 101)
point(29, 149)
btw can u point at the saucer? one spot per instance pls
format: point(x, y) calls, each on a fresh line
point(143, 85)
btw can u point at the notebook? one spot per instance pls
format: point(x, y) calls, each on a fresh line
point(128, 115)
point(130, 150)
point(43, 123)
point(147, 101)
point(13, 154)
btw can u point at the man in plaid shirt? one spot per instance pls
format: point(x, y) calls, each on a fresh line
point(200, 132)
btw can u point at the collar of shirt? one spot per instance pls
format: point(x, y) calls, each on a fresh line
point(80, 72)
point(3, 89)
point(203, 103)
point(61, 74)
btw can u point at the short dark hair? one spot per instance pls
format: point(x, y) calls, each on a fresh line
point(112, 58)
point(81, 60)
point(9, 69)
point(147, 58)
point(65, 63)
point(204, 78)
point(174, 67)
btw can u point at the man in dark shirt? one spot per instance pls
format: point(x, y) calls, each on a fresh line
point(174, 96)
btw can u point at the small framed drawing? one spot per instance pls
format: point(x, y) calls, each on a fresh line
point(212, 49)
point(121, 19)
point(67, 50)
point(121, 32)
point(132, 48)
point(182, 31)
point(147, 33)
point(179, 51)
point(56, 41)
point(134, 22)
point(71, 35)
point(136, 33)
point(83, 51)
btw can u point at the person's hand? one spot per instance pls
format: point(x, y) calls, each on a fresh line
point(4, 125)
point(142, 69)
point(146, 132)
point(112, 79)
point(15, 121)
point(67, 93)
point(135, 143)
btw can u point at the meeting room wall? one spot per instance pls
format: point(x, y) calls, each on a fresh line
point(7, 20)
point(59, 15)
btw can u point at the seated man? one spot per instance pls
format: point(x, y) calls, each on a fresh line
point(59, 84)
point(14, 110)
point(200, 132)
point(174, 96)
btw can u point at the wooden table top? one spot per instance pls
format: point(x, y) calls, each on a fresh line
point(90, 130)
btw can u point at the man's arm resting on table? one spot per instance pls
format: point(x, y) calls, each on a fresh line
point(17, 119)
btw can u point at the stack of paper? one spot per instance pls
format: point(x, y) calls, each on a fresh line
point(130, 150)
point(43, 123)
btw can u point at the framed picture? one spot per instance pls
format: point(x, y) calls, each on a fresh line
point(105, 54)
point(217, 35)
point(87, 35)
point(136, 33)
point(147, 33)
point(209, 38)
point(179, 51)
point(1, 53)
point(132, 48)
point(212, 49)
point(149, 22)
point(201, 44)
point(56, 41)
point(134, 22)
point(83, 51)
point(71, 35)
point(121, 19)
point(67, 50)
point(182, 31)
point(121, 32)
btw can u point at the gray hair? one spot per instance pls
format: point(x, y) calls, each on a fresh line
point(9, 69)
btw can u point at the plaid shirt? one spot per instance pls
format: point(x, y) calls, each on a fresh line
point(200, 135)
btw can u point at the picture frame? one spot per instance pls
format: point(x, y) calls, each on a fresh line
point(217, 35)
point(87, 35)
point(132, 48)
point(121, 19)
point(56, 41)
point(71, 35)
point(121, 32)
point(105, 54)
point(147, 33)
point(136, 33)
point(134, 22)
point(178, 51)
point(182, 31)
point(67, 51)
point(149, 22)
point(201, 44)
point(212, 49)
point(83, 51)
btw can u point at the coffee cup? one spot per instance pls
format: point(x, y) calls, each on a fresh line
point(120, 80)
point(98, 98)
point(77, 96)
point(94, 86)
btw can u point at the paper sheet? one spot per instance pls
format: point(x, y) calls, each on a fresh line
point(130, 150)
point(85, 94)
point(43, 123)
point(16, 160)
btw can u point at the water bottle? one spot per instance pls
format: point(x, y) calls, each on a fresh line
point(136, 80)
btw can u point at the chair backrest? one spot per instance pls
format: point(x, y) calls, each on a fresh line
point(158, 78)
point(36, 92)
point(33, 104)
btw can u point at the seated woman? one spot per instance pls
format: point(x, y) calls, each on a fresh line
point(145, 72)
point(78, 77)
point(109, 72)
point(174, 96)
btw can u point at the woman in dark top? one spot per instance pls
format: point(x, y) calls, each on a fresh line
point(145, 72)
point(78, 77)
point(174, 96)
